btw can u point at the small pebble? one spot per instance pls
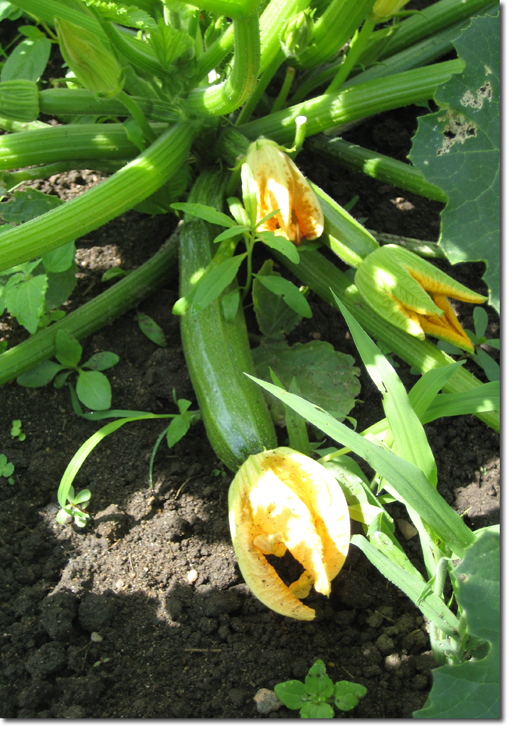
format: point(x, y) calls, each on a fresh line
point(407, 530)
point(192, 576)
point(96, 637)
point(266, 701)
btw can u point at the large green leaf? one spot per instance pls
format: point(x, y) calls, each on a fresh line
point(323, 375)
point(471, 690)
point(457, 148)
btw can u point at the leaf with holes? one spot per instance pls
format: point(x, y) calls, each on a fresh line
point(458, 149)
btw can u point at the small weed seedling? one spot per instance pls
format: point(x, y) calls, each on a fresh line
point(6, 468)
point(75, 508)
point(92, 387)
point(16, 432)
point(315, 698)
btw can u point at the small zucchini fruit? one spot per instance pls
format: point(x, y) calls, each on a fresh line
point(217, 352)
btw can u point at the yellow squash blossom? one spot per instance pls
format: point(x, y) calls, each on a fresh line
point(281, 499)
point(411, 294)
point(271, 181)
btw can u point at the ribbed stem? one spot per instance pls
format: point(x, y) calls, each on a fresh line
point(431, 20)
point(69, 142)
point(375, 165)
point(324, 112)
point(421, 54)
point(8, 125)
point(355, 50)
point(262, 84)
point(273, 22)
point(232, 93)
point(322, 277)
point(127, 187)
point(97, 313)
point(73, 102)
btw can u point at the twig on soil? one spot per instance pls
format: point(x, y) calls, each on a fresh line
point(180, 488)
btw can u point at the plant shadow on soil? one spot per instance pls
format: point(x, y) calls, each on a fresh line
point(154, 573)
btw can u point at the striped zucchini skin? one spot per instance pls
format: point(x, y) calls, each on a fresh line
point(217, 352)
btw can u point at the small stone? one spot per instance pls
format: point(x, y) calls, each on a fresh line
point(407, 529)
point(392, 662)
point(96, 637)
point(192, 576)
point(266, 701)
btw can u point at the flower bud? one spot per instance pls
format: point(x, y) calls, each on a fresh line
point(270, 181)
point(282, 500)
point(384, 9)
point(94, 65)
point(298, 33)
point(411, 294)
point(19, 100)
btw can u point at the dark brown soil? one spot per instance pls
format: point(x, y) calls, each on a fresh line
point(154, 573)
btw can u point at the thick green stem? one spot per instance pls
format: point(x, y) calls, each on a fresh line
point(431, 20)
point(232, 93)
point(8, 125)
point(133, 183)
point(69, 142)
point(135, 110)
point(421, 54)
point(74, 102)
point(355, 50)
point(262, 84)
point(97, 313)
point(322, 277)
point(375, 165)
point(324, 112)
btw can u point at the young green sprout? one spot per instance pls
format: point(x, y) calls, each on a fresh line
point(316, 697)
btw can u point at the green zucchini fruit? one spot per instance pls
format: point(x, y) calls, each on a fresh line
point(217, 352)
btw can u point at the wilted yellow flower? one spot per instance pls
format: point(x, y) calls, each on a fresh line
point(94, 65)
point(384, 9)
point(279, 500)
point(411, 294)
point(271, 180)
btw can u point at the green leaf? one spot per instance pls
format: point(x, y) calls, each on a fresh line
point(114, 273)
point(281, 244)
point(472, 690)
point(60, 259)
point(60, 286)
point(458, 149)
point(93, 389)
point(178, 428)
point(26, 301)
point(231, 233)
point(291, 693)
point(206, 212)
point(480, 321)
point(230, 303)
point(102, 361)
point(491, 368)
point(348, 694)
point(215, 281)
point(274, 316)
point(40, 375)
point(290, 293)
point(407, 479)
point(317, 681)
point(485, 397)
point(323, 375)
point(151, 329)
point(68, 349)
point(28, 60)
point(27, 204)
point(314, 710)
